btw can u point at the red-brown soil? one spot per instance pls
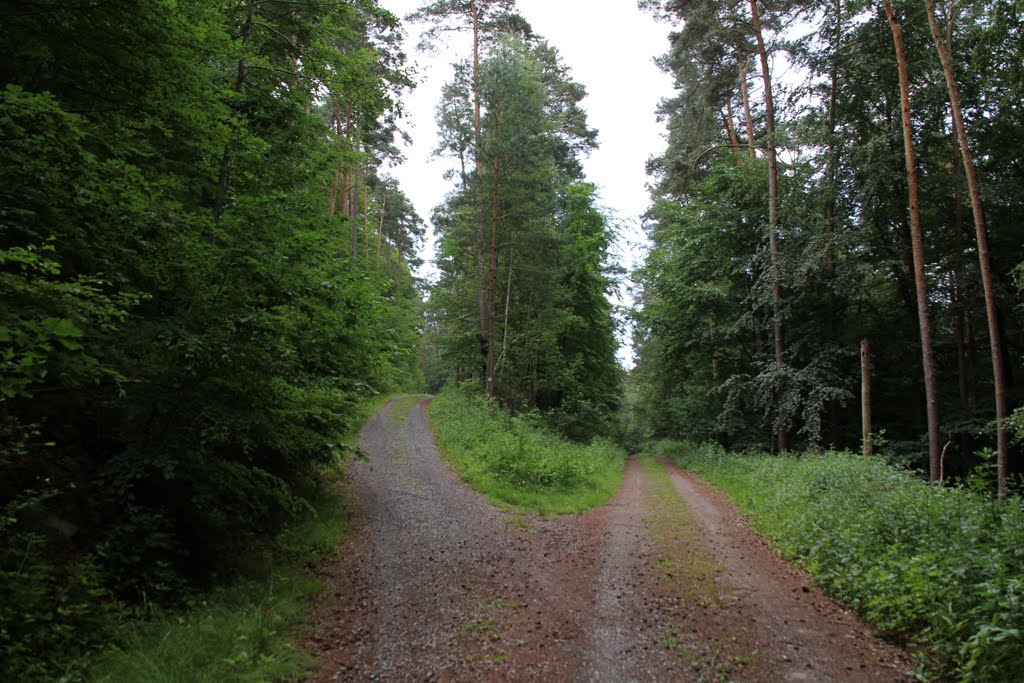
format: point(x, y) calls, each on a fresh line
point(434, 583)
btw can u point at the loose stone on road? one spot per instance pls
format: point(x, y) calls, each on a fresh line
point(434, 583)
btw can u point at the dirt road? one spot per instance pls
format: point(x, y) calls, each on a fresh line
point(664, 583)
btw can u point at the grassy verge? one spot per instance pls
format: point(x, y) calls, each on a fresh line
point(939, 568)
point(246, 631)
point(515, 461)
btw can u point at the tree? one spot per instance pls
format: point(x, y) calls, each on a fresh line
point(920, 282)
point(944, 47)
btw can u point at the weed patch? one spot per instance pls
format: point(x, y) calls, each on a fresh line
point(515, 461)
point(939, 568)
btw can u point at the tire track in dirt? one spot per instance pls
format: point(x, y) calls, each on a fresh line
point(800, 634)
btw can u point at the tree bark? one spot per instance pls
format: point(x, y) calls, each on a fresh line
point(485, 313)
point(773, 208)
point(917, 246)
point(865, 397)
point(492, 277)
point(730, 130)
point(748, 117)
point(973, 190)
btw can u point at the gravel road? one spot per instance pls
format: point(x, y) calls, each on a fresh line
point(434, 583)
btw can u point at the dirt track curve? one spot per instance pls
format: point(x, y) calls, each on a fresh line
point(435, 584)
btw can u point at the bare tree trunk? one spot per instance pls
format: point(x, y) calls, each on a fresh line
point(380, 225)
point(730, 130)
point(970, 172)
point(917, 246)
point(356, 203)
point(332, 202)
point(492, 276)
point(865, 397)
point(485, 313)
point(773, 207)
point(747, 115)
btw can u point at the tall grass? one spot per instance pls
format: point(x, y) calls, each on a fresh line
point(939, 568)
point(514, 460)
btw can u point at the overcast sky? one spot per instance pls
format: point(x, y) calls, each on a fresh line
point(610, 48)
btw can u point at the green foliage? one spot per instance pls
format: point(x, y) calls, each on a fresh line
point(705, 353)
point(939, 568)
point(514, 460)
point(187, 326)
point(243, 632)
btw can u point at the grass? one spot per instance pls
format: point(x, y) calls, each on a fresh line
point(939, 568)
point(516, 462)
point(243, 632)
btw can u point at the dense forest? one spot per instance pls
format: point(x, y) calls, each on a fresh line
point(796, 217)
point(206, 270)
point(203, 271)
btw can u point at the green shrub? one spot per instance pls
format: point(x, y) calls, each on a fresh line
point(515, 460)
point(939, 568)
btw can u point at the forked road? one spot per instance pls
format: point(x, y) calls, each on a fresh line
point(436, 584)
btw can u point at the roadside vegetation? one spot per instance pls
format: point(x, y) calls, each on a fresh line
point(940, 568)
point(516, 461)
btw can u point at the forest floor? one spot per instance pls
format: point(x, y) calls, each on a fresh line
point(666, 582)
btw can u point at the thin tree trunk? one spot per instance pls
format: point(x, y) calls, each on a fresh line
point(917, 246)
point(492, 276)
point(973, 190)
point(832, 161)
point(865, 396)
point(747, 115)
point(730, 130)
point(380, 225)
point(773, 208)
point(332, 202)
point(356, 203)
point(485, 313)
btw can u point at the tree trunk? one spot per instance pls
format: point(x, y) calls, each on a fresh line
point(730, 130)
point(748, 117)
point(492, 277)
point(485, 312)
point(973, 190)
point(917, 246)
point(773, 208)
point(865, 396)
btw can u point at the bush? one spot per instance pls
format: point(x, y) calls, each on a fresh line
point(939, 568)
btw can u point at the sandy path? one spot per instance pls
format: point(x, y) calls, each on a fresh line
point(436, 584)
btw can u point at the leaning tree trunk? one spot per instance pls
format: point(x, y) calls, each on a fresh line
point(917, 246)
point(773, 207)
point(970, 172)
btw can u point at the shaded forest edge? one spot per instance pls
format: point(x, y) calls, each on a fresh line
point(205, 273)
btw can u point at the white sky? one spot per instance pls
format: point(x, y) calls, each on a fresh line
point(609, 48)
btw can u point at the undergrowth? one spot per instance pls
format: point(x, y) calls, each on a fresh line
point(515, 460)
point(62, 624)
point(243, 632)
point(941, 569)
